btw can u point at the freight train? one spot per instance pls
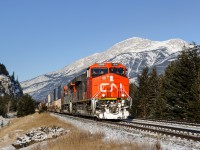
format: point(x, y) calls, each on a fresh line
point(101, 92)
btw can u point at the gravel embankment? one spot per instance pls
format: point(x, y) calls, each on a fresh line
point(130, 135)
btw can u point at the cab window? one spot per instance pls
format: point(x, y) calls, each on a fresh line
point(99, 71)
point(119, 71)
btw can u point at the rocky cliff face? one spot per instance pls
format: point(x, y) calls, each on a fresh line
point(9, 86)
point(135, 53)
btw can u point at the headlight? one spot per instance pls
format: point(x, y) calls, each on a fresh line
point(123, 95)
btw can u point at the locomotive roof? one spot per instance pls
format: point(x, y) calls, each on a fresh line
point(107, 64)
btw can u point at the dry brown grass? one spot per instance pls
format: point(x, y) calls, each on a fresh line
point(87, 141)
point(74, 140)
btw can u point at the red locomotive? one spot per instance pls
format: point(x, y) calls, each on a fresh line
point(102, 92)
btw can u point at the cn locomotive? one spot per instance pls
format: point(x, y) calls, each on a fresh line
point(101, 92)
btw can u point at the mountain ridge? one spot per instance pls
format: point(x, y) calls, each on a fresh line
point(135, 53)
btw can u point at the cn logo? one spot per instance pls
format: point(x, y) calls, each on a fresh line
point(112, 86)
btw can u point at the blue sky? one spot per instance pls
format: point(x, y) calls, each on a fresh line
point(41, 36)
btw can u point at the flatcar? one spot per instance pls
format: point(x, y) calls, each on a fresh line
point(102, 92)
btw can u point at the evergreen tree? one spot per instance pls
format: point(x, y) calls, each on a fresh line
point(194, 105)
point(158, 110)
point(5, 102)
point(14, 102)
point(180, 77)
point(143, 93)
point(153, 82)
point(134, 95)
point(26, 106)
point(169, 90)
point(3, 109)
point(13, 77)
point(3, 70)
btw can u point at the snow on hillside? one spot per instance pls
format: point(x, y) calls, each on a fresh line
point(135, 53)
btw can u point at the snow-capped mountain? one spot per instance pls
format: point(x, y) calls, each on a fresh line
point(135, 53)
point(9, 86)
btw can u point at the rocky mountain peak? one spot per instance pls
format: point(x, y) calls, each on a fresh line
point(135, 53)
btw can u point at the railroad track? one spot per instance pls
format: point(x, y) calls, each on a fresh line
point(169, 122)
point(167, 130)
point(184, 133)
